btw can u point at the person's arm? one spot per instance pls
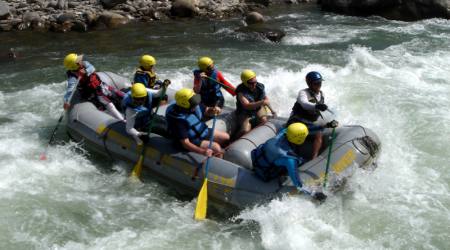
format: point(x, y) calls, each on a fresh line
point(130, 115)
point(250, 105)
point(291, 166)
point(227, 85)
point(197, 81)
point(88, 67)
point(71, 83)
point(302, 99)
point(194, 148)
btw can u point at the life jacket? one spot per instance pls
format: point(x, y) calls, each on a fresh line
point(309, 115)
point(197, 130)
point(265, 155)
point(148, 78)
point(87, 84)
point(143, 112)
point(210, 90)
point(252, 96)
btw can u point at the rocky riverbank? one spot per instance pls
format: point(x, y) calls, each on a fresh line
point(84, 15)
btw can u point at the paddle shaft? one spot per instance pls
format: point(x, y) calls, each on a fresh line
point(221, 84)
point(328, 159)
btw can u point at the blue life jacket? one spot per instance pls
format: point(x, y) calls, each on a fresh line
point(148, 78)
point(197, 130)
point(210, 90)
point(251, 96)
point(274, 157)
point(143, 111)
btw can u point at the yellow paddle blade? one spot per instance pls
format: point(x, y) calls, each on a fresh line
point(136, 173)
point(202, 202)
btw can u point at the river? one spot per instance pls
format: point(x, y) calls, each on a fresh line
point(390, 76)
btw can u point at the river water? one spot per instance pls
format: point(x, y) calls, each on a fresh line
point(390, 76)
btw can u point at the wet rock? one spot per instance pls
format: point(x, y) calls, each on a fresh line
point(254, 18)
point(183, 8)
point(112, 19)
point(4, 10)
point(62, 5)
point(6, 25)
point(79, 26)
point(108, 4)
point(90, 17)
point(263, 31)
point(261, 2)
point(61, 28)
point(392, 9)
point(66, 17)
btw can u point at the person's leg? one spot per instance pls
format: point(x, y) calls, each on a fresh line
point(244, 125)
point(317, 144)
point(215, 147)
point(261, 116)
point(221, 137)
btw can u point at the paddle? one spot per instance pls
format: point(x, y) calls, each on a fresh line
point(221, 84)
point(137, 169)
point(329, 156)
point(202, 200)
point(43, 156)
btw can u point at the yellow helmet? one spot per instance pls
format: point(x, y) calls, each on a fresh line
point(183, 96)
point(71, 61)
point(138, 90)
point(147, 61)
point(296, 133)
point(205, 62)
point(247, 75)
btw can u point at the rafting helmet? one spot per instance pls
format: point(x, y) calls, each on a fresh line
point(205, 62)
point(313, 77)
point(147, 61)
point(247, 75)
point(186, 98)
point(296, 133)
point(138, 90)
point(71, 61)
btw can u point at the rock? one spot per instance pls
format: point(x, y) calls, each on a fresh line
point(261, 2)
point(90, 17)
point(111, 19)
point(79, 26)
point(6, 25)
point(4, 10)
point(392, 9)
point(108, 4)
point(31, 17)
point(183, 8)
point(66, 17)
point(62, 5)
point(254, 18)
point(264, 31)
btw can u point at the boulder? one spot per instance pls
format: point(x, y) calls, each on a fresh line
point(183, 8)
point(4, 10)
point(392, 9)
point(112, 19)
point(31, 17)
point(254, 18)
point(109, 4)
point(263, 31)
point(66, 17)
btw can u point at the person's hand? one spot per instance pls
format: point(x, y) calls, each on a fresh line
point(203, 75)
point(215, 110)
point(66, 106)
point(142, 134)
point(321, 106)
point(166, 83)
point(208, 152)
point(266, 101)
point(139, 142)
point(332, 124)
point(82, 71)
point(274, 114)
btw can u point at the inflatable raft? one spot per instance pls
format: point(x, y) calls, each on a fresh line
point(231, 179)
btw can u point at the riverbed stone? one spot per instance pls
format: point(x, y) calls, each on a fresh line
point(4, 10)
point(254, 18)
point(108, 4)
point(111, 19)
point(183, 8)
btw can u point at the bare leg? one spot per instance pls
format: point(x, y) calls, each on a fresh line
point(221, 137)
point(317, 145)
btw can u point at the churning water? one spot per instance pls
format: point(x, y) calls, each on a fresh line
point(393, 77)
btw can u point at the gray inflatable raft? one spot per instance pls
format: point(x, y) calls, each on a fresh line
point(231, 179)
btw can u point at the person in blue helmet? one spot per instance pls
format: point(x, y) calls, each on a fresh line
point(310, 102)
point(277, 157)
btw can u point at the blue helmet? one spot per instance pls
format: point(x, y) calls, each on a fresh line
point(313, 76)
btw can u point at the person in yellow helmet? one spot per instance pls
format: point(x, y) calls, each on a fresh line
point(250, 102)
point(82, 74)
point(137, 104)
point(208, 82)
point(278, 156)
point(184, 121)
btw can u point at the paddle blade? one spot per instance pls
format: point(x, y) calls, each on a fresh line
point(43, 157)
point(136, 173)
point(202, 202)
